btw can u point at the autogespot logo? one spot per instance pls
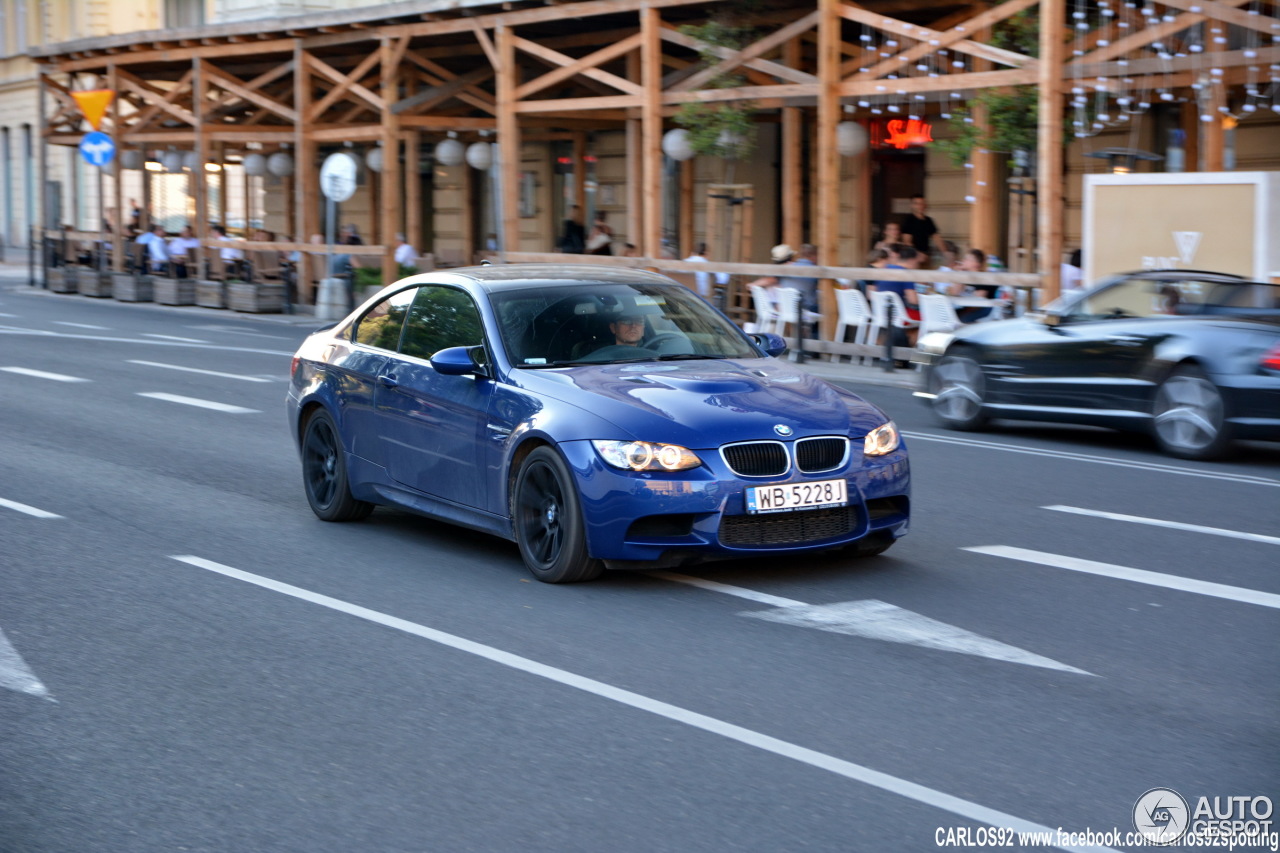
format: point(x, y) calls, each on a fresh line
point(1161, 815)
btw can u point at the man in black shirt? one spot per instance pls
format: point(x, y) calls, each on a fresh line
point(920, 229)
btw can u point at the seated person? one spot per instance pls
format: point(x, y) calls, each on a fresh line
point(628, 330)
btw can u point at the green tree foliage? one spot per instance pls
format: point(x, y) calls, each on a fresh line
point(725, 129)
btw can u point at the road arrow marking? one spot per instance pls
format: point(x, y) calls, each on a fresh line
point(16, 675)
point(875, 620)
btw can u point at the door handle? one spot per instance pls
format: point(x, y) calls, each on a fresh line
point(1128, 340)
point(388, 380)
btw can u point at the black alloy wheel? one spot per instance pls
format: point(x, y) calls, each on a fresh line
point(324, 472)
point(548, 521)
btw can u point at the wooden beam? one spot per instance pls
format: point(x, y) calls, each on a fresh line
point(153, 96)
point(753, 51)
point(1147, 35)
point(944, 82)
point(340, 91)
point(469, 93)
point(792, 177)
point(449, 122)
point(650, 237)
point(390, 184)
point(774, 69)
point(827, 232)
point(324, 69)
point(1215, 10)
point(428, 98)
point(599, 57)
point(574, 104)
point(509, 140)
point(556, 58)
point(486, 44)
point(1049, 165)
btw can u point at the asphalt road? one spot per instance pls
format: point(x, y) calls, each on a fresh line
point(399, 685)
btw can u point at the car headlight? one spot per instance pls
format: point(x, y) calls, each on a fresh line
point(881, 440)
point(646, 455)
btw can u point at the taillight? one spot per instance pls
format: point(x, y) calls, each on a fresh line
point(1271, 359)
point(293, 366)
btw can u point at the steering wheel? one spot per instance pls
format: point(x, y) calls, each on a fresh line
point(670, 343)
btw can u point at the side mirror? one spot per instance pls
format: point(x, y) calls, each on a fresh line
point(773, 345)
point(458, 361)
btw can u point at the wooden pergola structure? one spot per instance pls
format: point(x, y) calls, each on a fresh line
point(404, 73)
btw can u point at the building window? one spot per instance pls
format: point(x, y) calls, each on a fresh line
point(20, 26)
point(183, 13)
point(6, 186)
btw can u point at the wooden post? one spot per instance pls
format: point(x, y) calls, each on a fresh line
point(687, 172)
point(984, 217)
point(306, 182)
point(634, 165)
point(413, 190)
point(650, 242)
point(1215, 136)
point(828, 162)
point(579, 171)
point(390, 183)
point(792, 144)
point(117, 220)
point(1049, 166)
point(508, 140)
point(199, 177)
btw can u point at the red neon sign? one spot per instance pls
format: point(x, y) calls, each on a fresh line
point(902, 133)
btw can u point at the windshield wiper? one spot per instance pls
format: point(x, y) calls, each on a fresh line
point(546, 364)
point(682, 356)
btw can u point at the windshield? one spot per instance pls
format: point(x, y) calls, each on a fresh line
point(612, 323)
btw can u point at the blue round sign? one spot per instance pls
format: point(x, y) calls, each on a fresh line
point(97, 148)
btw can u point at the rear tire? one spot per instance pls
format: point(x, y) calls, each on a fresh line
point(1189, 417)
point(547, 517)
point(960, 391)
point(324, 472)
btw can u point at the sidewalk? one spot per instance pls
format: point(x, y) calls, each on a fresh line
point(13, 278)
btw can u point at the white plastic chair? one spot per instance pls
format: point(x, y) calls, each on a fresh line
point(936, 314)
point(789, 311)
point(887, 313)
point(766, 315)
point(853, 311)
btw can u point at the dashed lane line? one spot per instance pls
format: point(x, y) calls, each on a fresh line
point(81, 325)
point(43, 374)
point(173, 338)
point(198, 403)
point(1171, 525)
point(1110, 570)
point(28, 510)
point(1229, 476)
point(199, 370)
point(847, 769)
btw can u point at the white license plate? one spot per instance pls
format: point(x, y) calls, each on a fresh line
point(788, 496)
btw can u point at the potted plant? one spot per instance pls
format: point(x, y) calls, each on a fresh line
point(175, 291)
point(132, 287)
point(255, 297)
point(89, 282)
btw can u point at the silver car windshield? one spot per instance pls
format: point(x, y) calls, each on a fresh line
point(612, 323)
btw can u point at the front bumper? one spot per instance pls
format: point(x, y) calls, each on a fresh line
point(656, 517)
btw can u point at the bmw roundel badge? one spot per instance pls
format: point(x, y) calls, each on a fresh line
point(783, 430)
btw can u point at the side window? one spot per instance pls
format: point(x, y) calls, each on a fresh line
point(380, 326)
point(441, 317)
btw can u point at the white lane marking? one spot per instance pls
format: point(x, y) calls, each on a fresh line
point(847, 769)
point(203, 404)
point(16, 675)
point(738, 591)
point(12, 316)
point(173, 338)
point(1172, 525)
point(1058, 561)
point(29, 510)
point(199, 370)
point(40, 374)
point(1100, 460)
point(81, 325)
point(231, 331)
point(45, 333)
point(875, 620)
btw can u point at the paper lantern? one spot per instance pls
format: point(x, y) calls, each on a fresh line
point(373, 159)
point(676, 145)
point(255, 165)
point(280, 164)
point(450, 152)
point(131, 158)
point(851, 138)
point(172, 161)
point(479, 155)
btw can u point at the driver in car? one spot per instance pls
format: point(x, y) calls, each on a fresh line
point(628, 330)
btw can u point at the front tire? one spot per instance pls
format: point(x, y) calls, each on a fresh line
point(547, 516)
point(324, 472)
point(960, 390)
point(1189, 416)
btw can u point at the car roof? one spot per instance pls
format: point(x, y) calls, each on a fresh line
point(491, 277)
point(1175, 274)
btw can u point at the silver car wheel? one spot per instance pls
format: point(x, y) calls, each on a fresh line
point(1188, 413)
point(959, 391)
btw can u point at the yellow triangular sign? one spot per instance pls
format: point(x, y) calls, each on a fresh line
point(94, 104)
